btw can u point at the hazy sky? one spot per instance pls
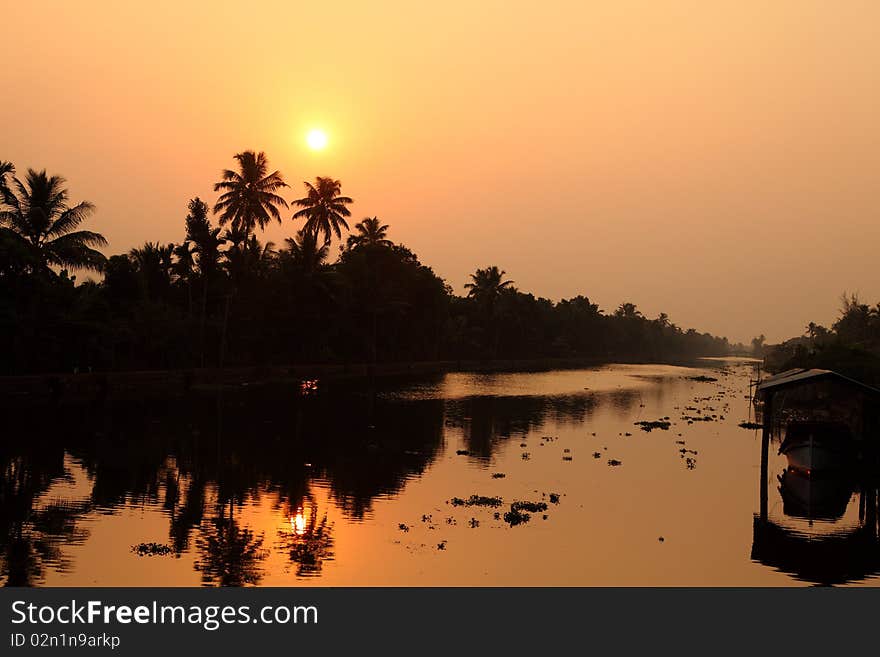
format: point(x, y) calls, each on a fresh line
point(717, 161)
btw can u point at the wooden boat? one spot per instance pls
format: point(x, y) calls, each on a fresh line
point(818, 446)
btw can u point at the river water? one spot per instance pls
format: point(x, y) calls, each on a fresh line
point(461, 479)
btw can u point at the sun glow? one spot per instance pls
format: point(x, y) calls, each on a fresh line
point(316, 139)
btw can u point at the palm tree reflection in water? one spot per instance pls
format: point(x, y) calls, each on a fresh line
point(308, 541)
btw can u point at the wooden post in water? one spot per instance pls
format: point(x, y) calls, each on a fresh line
point(765, 448)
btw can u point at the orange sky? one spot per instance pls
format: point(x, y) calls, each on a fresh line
point(690, 157)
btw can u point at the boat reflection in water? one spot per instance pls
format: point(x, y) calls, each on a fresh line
point(828, 427)
point(815, 495)
point(827, 531)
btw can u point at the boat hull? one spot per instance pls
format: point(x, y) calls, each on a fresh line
point(818, 447)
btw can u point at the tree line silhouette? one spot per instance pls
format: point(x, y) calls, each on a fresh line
point(222, 297)
point(851, 346)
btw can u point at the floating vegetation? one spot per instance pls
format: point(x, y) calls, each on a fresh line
point(152, 549)
point(531, 507)
point(462, 452)
point(690, 462)
point(402, 527)
point(614, 462)
point(520, 512)
point(477, 500)
point(473, 523)
point(514, 518)
point(554, 498)
point(567, 458)
point(691, 419)
point(703, 379)
point(441, 545)
point(650, 425)
point(498, 475)
point(525, 456)
point(750, 425)
point(597, 455)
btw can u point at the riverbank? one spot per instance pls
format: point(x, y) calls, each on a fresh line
point(88, 387)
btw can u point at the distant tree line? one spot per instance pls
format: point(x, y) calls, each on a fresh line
point(850, 346)
point(221, 297)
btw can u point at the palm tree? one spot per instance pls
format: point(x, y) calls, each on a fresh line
point(628, 311)
point(323, 208)
point(205, 239)
point(370, 232)
point(305, 252)
point(37, 221)
point(206, 243)
point(155, 266)
point(246, 257)
point(249, 196)
point(184, 268)
point(487, 284)
point(5, 168)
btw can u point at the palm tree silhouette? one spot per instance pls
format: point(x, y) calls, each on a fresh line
point(155, 265)
point(323, 208)
point(248, 257)
point(305, 253)
point(206, 243)
point(249, 196)
point(628, 311)
point(184, 268)
point(37, 222)
point(487, 284)
point(486, 287)
point(370, 232)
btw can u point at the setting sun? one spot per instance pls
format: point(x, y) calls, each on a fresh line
point(316, 139)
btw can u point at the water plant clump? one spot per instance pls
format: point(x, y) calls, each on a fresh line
point(514, 518)
point(531, 507)
point(521, 510)
point(151, 549)
point(477, 500)
point(750, 425)
point(650, 425)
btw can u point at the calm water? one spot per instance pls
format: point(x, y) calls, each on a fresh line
point(349, 488)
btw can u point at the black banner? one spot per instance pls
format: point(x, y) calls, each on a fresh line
point(415, 621)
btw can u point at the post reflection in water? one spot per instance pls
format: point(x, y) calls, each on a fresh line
point(350, 486)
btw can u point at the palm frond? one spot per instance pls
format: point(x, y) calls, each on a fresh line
point(70, 219)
